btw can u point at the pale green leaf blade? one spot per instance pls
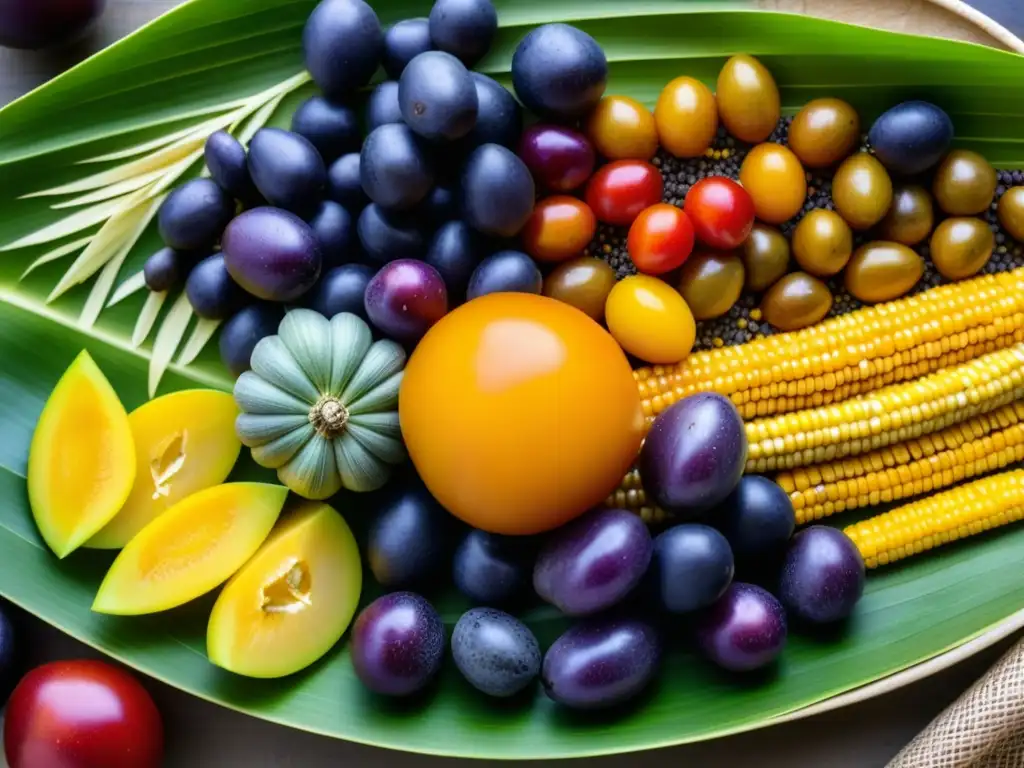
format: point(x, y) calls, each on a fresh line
point(171, 332)
point(147, 318)
point(197, 341)
point(129, 286)
point(70, 225)
point(57, 253)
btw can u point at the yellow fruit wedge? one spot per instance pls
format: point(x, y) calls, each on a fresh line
point(81, 463)
point(184, 442)
point(293, 601)
point(192, 548)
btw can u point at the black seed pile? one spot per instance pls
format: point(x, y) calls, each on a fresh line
point(744, 321)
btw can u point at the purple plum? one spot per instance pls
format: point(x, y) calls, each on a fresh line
point(272, 254)
point(822, 575)
point(744, 630)
point(405, 298)
point(397, 644)
point(559, 158)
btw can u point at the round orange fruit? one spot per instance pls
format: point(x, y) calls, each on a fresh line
point(519, 413)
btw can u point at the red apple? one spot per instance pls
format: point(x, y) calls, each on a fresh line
point(82, 714)
point(39, 23)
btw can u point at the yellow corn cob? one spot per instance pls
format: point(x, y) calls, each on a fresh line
point(891, 415)
point(985, 443)
point(852, 354)
point(931, 522)
point(630, 496)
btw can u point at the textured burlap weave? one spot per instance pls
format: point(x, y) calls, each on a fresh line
point(984, 728)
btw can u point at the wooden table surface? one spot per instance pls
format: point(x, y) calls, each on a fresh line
point(201, 735)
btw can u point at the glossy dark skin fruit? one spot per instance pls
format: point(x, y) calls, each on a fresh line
point(694, 455)
point(332, 128)
point(382, 107)
point(824, 132)
point(405, 298)
point(241, 333)
point(335, 229)
point(437, 96)
point(964, 183)
point(34, 24)
point(765, 255)
point(211, 291)
point(822, 243)
point(344, 45)
point(691, 568)
point(583, 283)
point(287, 169)
point(711, 282)
point(505, 271)
point(499, 118)
point(342, 289)
point(823, 575)
point(394, 168)
point(757, 518)
point(387, 236)
point(407, 544)
point(194, 215)
point(403, 41)
point(492, 570)
point(911, 217)
point(164, 270)
point(594, 562)
point(1011, 212)
point(496, 653)
point(560, 159)
point(601, 663)
point(228, 163)
point(911, 137)
point(82, 714)
point(455, 251)
point(882, 271)
point(498, 191)
point(559, 72)
point(463, 28)
point(745, 630)
point(961, 247)
point(344, 185)
point(397, 644)
point(796, 301)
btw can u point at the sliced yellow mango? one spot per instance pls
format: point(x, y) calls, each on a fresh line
point(184, 442)
point(81, 463)
point(293, 601)
point(193, 547)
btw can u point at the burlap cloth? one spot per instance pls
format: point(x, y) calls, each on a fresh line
point(984, 728)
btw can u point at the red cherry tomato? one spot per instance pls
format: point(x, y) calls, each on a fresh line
point(82, 714)
point(721, 210)
point(620, 190)
point(660, 239)
point(559, 228)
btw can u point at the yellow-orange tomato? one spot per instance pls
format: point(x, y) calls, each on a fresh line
point(621, 128)
point(650, 320)
point(773, 176)
point(519, 413)
point(686, 116)
point(559, 228)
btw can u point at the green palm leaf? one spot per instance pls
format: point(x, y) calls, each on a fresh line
point(85, 161)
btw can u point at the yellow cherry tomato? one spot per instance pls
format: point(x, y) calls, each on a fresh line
point(519, 413)
point(686, 116)
point(621, 128)
point(559, 228)
point(650, 320)
point(776, 181)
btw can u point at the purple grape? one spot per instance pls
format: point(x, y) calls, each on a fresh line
point(332, 128)
point(241, 333)
point(272, 254)
point(343, 43)
point(403, 42)
point(335, 228)
point(495, 652)
point(455, 252)
point(382, 106)
point(559, 158)
point(691, 568)
point(505, 271)
point(694, 455)
point(593, 562)
point(344, 185)
point(490, 569)
point(601, 663)
point(387, 236)
point(744, 630)
point(405, 298)
point(342, 289)
point(287, 169)
point(211, 291)
point(757, 518)
point(164, 270)
point(498, 191)
point(394, 168)
point(822, 575)
point(194, 215)
point(228, 164)
point(437, 96)
point(397, 644)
